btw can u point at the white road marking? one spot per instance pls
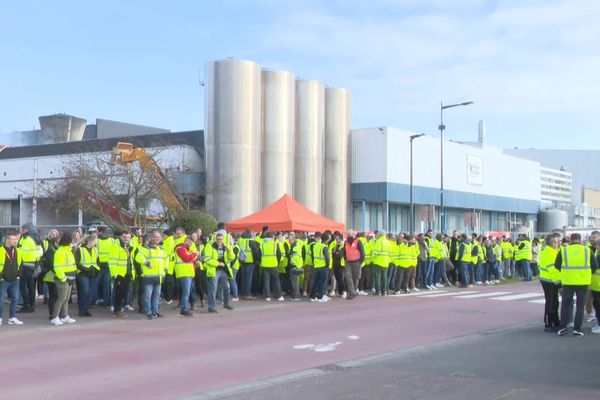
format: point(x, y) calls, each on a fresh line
point(303, 346)
point(518, 296)
point(353, 337)
point(321, 348)
point(540, 301)
point(448, 294)
point(489, 294)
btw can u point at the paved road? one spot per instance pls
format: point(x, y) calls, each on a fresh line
point(178, 358)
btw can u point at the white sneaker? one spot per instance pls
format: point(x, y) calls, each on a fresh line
point(14, 321)
point(281, 298)
point(344, 295)
point(56, 322)
point(323, 300)
point(429, 287)
point(591, 318)
point(570, 325)
point(596, 329)
point(434, 287)
point(313, 300)
point(439, 285)
point(112, 308)
point(268, 299)
point(0, 321)
point(416, 289)
point(373, 290)
point(497, 281)
point(478, 283)
point(326, 297)
point(128, 308)
point(362, 293)
point(168, 302)
point(67, 320)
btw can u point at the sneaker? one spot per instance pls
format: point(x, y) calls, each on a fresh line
point(362, 293)
point(487, 283)
point(439, 285)
point(326, 297)
point(578, 333)
point(228, 307)
point(67, 320)
point(186, 313)
point(157, 315)
point(14, 321)
point(434, 287)
point(169, 302)
point(112, 308)
point(281, 298)
point(212, 311)
point(562, 332)
point(429, 287)
point(313, 300)
point(304, 294)
point(596, 329)
point(268, 299)
point(235, 299)
point(56, 321)
point(149, 316)
point(295, 299)
point(128, 308)
point(416, 289)
point(344, 295)
point(323, 300)
point(570, 325)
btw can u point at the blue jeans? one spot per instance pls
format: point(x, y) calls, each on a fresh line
point(391, 276)
point(420, 273)
point(233, 283)
point(247, 271)
point(218, 283)
point(471, 275)
point(151, 295)
point(525, 269)
point(319, 275)
point(437, 270)
point(185, 285)
point(464, 272)
point(12, 288)
point(83, 293)
point(27, 286)
point(429, 271)
point(485, 272)
point(101, 287)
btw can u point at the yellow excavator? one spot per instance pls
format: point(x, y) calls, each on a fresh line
point(124, 153)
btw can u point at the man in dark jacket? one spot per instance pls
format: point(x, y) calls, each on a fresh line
point(10, 270)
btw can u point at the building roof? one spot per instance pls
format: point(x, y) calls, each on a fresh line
point(190, 138)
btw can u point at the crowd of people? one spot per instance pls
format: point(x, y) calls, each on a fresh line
point(133, 270)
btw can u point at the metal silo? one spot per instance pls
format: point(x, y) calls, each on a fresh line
point(337, 131)
point(308, 149)
point(278, 119)
point(61, 128)
point(232, 131)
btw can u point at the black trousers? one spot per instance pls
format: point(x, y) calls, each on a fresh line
point(52, 295)
point(551, 317)
point(566, 308)
point(121, 285)
point(596, 303)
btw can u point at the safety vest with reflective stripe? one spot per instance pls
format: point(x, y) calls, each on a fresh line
point(88, 258)
point(466, 256)
point(245, 247)
point(525, 253)
point(184, 269)
point(381, 252)
point(441, 251)
point(318, 254)
point(30, 250)
point(18, 255)
point(296, 255)
point(64, 264)
point(548, 272)
point(498, 252)
point(268, 251)
point(367, 248)
point(156, 257)
point(576, 265)
point(117, 261)
point(405, 253)
point(210, 257)
point(104, 245)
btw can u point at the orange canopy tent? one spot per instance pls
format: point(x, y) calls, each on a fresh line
point(285, 214)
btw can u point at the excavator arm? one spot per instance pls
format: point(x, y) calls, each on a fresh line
point(124, 153)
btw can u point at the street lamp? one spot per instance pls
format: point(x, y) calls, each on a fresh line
point(412, 204)
point(441, 128)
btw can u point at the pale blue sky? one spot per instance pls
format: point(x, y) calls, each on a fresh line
point(532, 67)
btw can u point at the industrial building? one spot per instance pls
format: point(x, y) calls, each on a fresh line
point(268, 133)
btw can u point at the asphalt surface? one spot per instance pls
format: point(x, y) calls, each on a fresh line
point(450, 344)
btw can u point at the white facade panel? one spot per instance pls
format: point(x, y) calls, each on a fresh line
point(367, 156)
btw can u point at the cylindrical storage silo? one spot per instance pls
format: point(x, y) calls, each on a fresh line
point(551, 220)
point(337, 131)
point(308, 148)
point(232, 131)
point(278, 119)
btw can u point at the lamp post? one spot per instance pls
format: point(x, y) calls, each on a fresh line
point(412, 204)
point(442, 127)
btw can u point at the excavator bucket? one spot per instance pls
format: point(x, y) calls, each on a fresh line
point(121, 153)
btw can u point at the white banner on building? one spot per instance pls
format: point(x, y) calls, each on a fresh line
point(474, 170)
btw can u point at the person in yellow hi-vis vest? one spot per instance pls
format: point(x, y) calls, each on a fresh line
point(270, 256)
point(550, 280)
point(185, 258)
point(576, 265)
point(122, 272)
point(11, 261)
point(216, 258)
point(595, 287)
point(154, 263)
point(65, 272)
point(86, 259)
point(101, 286)
point(381, 261)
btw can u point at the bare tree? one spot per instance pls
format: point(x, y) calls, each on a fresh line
point(119, 195)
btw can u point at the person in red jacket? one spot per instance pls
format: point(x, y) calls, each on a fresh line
point(185, 269)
